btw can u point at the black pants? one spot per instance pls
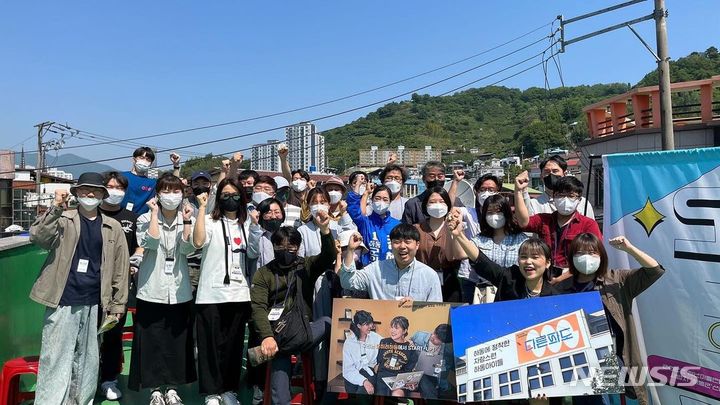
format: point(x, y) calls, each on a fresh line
point(220, 337)
point(162, 352)
point(111, 350)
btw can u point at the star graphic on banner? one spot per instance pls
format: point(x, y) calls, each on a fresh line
point(649, 217)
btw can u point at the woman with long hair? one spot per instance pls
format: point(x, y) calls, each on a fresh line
point(436, 246)
point(223, 295)
point(618, 288)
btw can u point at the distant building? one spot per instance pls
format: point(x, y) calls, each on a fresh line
point(376, 157)
point(307, 147)
point(53, 171)
point(265, 157)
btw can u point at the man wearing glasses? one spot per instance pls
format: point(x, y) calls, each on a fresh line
point(559, 228)
point(433, 175)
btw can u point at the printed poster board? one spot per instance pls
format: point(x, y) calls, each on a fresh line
point(379, 348)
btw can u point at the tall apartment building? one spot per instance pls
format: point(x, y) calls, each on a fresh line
point(375, 157)
point(307, 147)
point(265, 156)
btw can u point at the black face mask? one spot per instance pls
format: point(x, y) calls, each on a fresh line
point(248, 192)
point(284, 258)
point(230, 204)
point(282, 195)
point(200, 189)
point(550, 181)
point(272, 225)
point(435, 183)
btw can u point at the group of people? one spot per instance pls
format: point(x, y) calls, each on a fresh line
point(201, 261)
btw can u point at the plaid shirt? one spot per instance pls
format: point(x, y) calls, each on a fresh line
point(505, 254)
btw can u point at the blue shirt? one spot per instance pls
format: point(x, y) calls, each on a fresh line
point(374, 229)
point(140, 190)
point(83, 286)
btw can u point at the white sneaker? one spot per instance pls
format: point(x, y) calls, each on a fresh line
point(172, 397)
point(230, 398)
point(157, 398)
point(110, 390)
point(212, 400)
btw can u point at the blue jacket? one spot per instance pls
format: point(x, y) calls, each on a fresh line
point(374, 229)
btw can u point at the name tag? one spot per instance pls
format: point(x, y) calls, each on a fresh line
point(83, 265)
point(236, 273)
point(169, 265)
point(275, 313)
point(129, 206)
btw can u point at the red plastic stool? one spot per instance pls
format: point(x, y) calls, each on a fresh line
point(128, 331)
point(10, 393)
point(306, 382)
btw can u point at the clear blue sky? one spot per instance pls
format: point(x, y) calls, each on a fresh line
point(128, 69)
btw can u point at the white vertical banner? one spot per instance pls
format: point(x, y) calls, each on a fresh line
point(668, 205)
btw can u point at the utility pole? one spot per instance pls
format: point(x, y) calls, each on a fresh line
point(662, 58)
point(42, 128)
point(666, 115)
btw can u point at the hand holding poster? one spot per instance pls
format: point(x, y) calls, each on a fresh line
point(381, 348)
point(549, 346)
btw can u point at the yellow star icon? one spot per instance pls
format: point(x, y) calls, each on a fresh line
point(649, 217)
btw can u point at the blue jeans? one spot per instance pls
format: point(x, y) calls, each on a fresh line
point(69, 356)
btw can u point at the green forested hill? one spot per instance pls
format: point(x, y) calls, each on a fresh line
point(494, 119)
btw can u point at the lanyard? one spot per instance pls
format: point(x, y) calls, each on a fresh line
point(287, 291)
point(228, 242)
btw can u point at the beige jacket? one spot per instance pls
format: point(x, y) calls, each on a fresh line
point(58, 232)
point(618, 289)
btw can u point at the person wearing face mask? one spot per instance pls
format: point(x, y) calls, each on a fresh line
point(394, 177)
point(435, 248)
point(375, 228)
point(85, 274)
point(559, 228)
point(140, 188)
point(618, 288)
point(201, 182)
point(285, 285)
point(266, 219)
point(162, 355)
point(433, 175)
point(553, 169)
point(111, 350)
point(327, 286)
point(524, 279)
point(247, 179)
point(266, 187)
point(336, 189)
point(223, 295)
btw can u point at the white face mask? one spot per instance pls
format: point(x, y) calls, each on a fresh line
point(566, 205)
point(335, 196)
point(170, 201)
point(496, 221)
point(260, 197)
point(114, 197)
point(380, 207)
point(142, 166)
point(362, 189)
point(482, 196)
point(299, 185)
point(89, 203)
point(586, 264)
point(437, 210)
point(315, 209)
point(394, 186)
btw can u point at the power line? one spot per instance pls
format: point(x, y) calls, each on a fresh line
point(325, 102)
point(352, 109)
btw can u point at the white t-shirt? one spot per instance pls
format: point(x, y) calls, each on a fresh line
point(211, 287)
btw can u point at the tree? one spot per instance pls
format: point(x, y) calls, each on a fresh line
point(205, 163)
